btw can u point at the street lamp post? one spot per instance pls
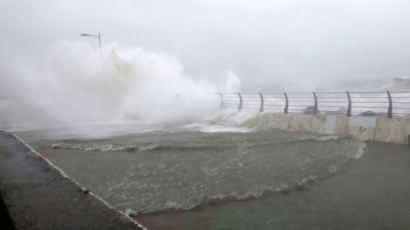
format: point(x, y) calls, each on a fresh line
point(99, 43)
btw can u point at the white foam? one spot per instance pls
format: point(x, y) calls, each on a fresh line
point(207, 128)
point(361, 150)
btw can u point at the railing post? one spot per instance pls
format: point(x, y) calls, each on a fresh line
point(390, 110)
point(349, 104)
point(315, 109)
point(287, 102)
point(262, 102)
point(240, 101)
point(222, 100)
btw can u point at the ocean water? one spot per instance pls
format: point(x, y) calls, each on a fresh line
point(152, 168)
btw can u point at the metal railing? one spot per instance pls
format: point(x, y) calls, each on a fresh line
point(365, 103)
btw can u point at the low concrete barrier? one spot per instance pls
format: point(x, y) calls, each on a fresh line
point(38, 195)
point(380, 129)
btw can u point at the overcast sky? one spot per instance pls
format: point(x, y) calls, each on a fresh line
point(261, 41)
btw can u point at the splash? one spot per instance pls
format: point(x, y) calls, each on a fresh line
point(398, 83)
point(75, 86)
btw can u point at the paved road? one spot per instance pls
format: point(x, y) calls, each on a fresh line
point(38, 196)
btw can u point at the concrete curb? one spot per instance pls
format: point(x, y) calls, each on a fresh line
point(39, 195)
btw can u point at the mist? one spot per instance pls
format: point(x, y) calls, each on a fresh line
point(51, 73)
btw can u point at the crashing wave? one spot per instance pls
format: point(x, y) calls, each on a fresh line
point(398, 83)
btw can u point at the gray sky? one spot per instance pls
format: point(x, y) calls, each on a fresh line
point(318, 41)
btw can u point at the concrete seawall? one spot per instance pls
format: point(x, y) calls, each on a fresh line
point(38, 195)
point(378, 129)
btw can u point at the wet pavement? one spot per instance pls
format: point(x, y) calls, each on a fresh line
point(38, 196)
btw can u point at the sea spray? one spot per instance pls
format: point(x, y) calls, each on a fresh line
point(72, 86)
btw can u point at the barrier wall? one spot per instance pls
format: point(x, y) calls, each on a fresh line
point(395, 130)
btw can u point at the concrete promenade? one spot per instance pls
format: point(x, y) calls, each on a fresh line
point(38, 195)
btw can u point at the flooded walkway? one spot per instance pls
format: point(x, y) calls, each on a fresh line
point(38, 196)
